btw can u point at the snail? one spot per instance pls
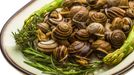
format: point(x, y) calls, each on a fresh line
point(79, 16)
point(116, 38)
point(61, 53)
point(114, 12)
point(131, 4)
point(117, 23)
point(97, 17)
point(80, 48)
point(41, 36)
point(82, 35)
point(54, 18)
point(97, 3)
point(118, 3)
point(44, 27)
point(124, 24)
point(96, 29)
point(47, 46)
point(130, 12)
point(101, 47)
point(70, 3)
point(62, 31)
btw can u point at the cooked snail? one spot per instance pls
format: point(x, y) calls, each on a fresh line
point(44, 27)
point(80, 48)
point(130, 12)
point(82, 35)
point(41, 36)
point(114, 12)
point(47, 46)
point(96, 29)
point(61, 53)
point(97, 17)
point(116, 38)
point(62, 31)
point(118, 3)
point(97, 3)
point(101, 47)
point(79, 16)
point(117, 23)
point(54, 18)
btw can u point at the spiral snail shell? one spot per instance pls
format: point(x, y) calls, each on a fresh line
point(79, 16)
point(54, 18)
point(130, 12)
point(62, 31)
point(116, 38)
point(47, 46)
point(41, 36)
point(44, 27)
point(61, 53)
point(114, 12)
point(97, 17)
point(82, 35)
point(117, 23)
point(131, 4)
point(97, 3)
point(80, 48)
point(96, 29)
point(101, 48)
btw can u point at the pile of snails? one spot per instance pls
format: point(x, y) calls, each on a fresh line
point(84, 27)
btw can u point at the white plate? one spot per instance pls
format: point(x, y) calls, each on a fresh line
point(15, 57)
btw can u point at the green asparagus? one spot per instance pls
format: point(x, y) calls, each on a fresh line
point(117, 56)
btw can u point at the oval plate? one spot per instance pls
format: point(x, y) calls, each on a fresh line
point(15, 57)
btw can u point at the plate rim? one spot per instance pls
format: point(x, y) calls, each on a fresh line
point(22, 70)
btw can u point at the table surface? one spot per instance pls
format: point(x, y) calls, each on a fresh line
point(7, 9)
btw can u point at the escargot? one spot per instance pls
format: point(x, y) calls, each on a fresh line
point(54, 18)
point(116, 38)
point(118, 3)
point(44, 27)
point(96, 29)
point(101, 47)
point(82, 35)
point(79, 15)
point(62, 31)
point(130, 12)
point(97, 17)
point(47, 46)
point(80, 48)
point(61, 53)
point(114, 12)
point(97, 3)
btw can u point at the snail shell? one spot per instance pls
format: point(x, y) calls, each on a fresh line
point(127, 24)
point(54, 18)
point(117, 23)
point(62, 31)
point(61, 53)
point(101, 48)
point(130, 12)
point(96, 29)
point(79, 16)
point(119, 3)
point(97, 3)
point(131, 4)
point(97, 17)
point(82, 35)
point(47, 46)
point(44, 27)
point(79, 47)
point(41, 36)
point(116, 38)
point(114, 12)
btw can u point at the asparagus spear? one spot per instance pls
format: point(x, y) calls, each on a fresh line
point(117, 56)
